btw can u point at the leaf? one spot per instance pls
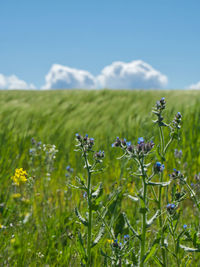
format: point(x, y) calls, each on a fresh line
point(81, 181)
point(188, 249)
point(130, 227)
point(153, 218)
point(158, 183)
point(158, 261)
point(99, 236)
point(81, 219)
point(135, 199)
point(152, 249)
point(96, 194)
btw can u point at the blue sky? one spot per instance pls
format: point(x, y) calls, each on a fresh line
point(90, 35)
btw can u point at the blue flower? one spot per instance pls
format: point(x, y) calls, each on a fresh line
point(68, 168)
point(128, 143)
point(185, 226)
point(159, 167)
point(140, 140)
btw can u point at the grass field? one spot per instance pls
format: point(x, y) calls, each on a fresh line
point(48, 236)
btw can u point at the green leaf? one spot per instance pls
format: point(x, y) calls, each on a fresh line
point(81, 219)
point(158, 183)
point(158, 261)
point(152, 249)
point(135, 199)
point(81, 181)
point(96, 194)
point(188, 249)
point(153, 218)
point(99, 236)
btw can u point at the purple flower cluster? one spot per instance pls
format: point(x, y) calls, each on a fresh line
point(160, 105)
point(177, 120)
point(85, 141)
point(141, 146)
point(176, 174)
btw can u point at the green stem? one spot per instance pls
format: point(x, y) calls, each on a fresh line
point(161, 221)
point(89, 234)
point(163, 150)
point(143, 239)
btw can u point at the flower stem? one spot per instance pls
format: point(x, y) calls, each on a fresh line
point(144, 204)
point(89, 232)
point(163, 150)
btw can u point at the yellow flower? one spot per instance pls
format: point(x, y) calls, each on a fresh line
point(17, 195)
point(12, 241)
point(20, 177)
point(110, 241)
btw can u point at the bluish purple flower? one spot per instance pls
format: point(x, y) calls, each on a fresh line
point(159, 167)
point(185, 226)
point(140, 140)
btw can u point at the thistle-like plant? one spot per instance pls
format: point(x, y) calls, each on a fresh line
point(92, 194)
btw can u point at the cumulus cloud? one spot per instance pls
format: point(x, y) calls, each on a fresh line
point(195, 86)
point(62, 77)
point(13, 82)
point(119, 75)
point(132, 75)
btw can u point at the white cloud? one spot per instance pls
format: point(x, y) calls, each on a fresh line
point(62, 77)
point(118, 75)
point(132, 75)
point(13, 82)
point(195, 86)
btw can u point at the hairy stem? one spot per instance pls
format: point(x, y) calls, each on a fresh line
point(89, 232)
point(144, 204)
point(163, 150)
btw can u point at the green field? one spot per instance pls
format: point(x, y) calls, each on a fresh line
point(49, 235)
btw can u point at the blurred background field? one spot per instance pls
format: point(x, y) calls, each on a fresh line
point(53, 117)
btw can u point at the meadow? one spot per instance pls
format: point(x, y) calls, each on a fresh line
point(40, 228)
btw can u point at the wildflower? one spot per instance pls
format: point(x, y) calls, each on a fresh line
point(140, 140)
point(160, 105)
point(110, 241)
point(185, 226)
point(33, 141)
point(171, 208)
point(126, 237)
point(144, 147)
point(178, 154)
point(17, 195)
point(69, 169)
point(12, 241)
point(177, 120)
point(129, 146)
point(159, 167)
point(117, 143)
point(20, 177)
point(99, 156)
point(78, 136)
point(115, 243)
